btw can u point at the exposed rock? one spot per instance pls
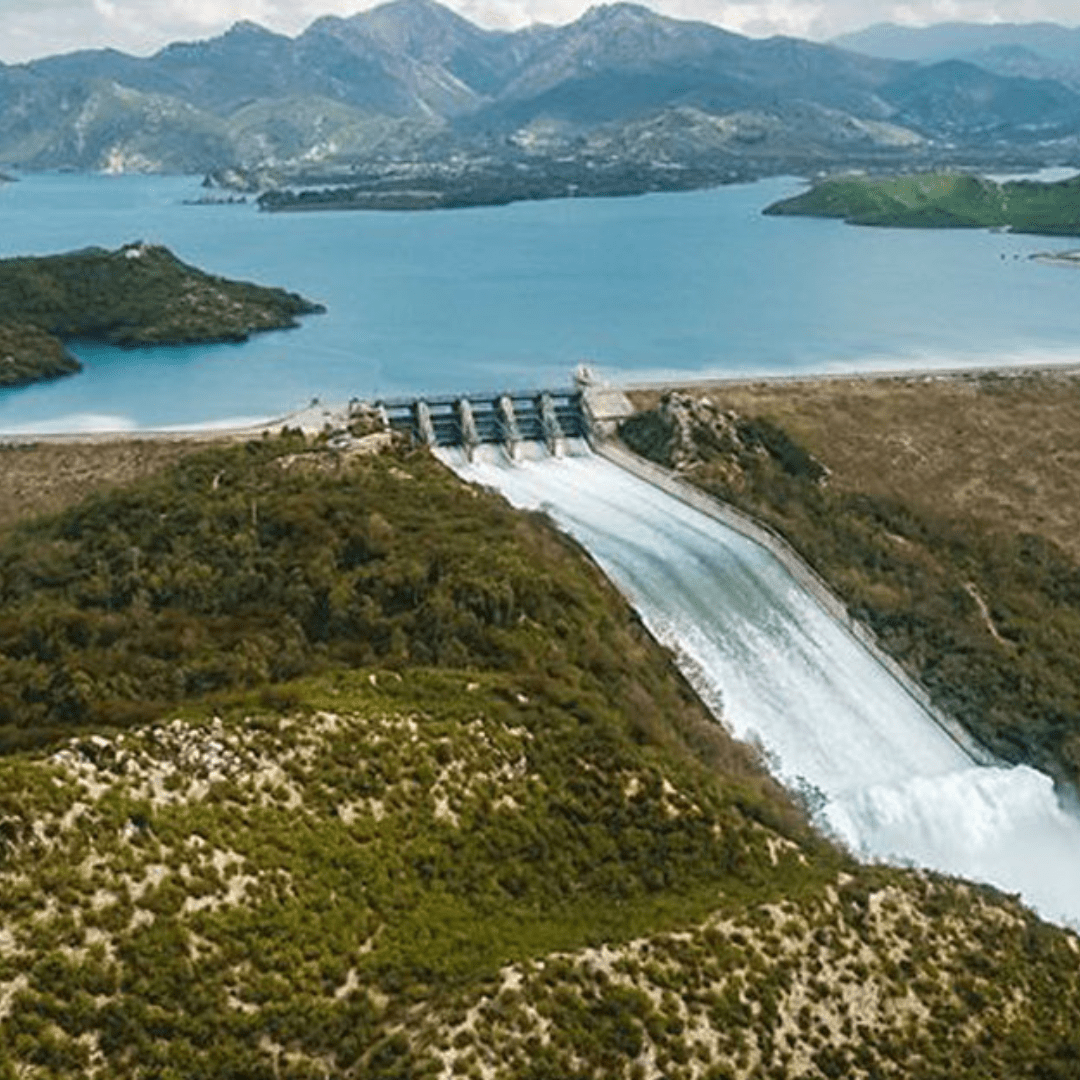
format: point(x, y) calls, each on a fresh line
point(685, 431)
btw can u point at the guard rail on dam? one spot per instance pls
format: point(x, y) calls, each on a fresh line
point(547, 416)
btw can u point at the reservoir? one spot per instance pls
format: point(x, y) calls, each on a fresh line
point(486, 299)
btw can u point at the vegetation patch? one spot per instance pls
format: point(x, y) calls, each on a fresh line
point(140, 294)
point(882, 974)
point(28, 354)
point(942, 200)
point(444, 809)
point(414, 875)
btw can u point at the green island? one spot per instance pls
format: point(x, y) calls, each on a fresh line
point(942, 200)
point(138, 295)
point(320, 763)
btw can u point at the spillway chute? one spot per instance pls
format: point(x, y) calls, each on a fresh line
point(781, 670)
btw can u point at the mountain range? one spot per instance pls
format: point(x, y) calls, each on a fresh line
point(410, 92)
point(1036, 50)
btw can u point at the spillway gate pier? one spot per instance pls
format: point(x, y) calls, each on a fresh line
point(546, 416)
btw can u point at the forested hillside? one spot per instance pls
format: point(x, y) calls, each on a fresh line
point(139, 294)
point(943, 201)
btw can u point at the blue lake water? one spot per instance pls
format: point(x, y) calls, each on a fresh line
point(694, 283)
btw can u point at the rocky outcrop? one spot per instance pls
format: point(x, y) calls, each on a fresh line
point(684, 432)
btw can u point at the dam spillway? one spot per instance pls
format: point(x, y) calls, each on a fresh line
point(784, 674)
point(468, 421)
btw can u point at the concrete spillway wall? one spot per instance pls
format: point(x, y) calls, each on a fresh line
point(801, 571)
point(773, 652)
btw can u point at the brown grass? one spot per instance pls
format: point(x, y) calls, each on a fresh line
point(1000, 450)
point(44, 477)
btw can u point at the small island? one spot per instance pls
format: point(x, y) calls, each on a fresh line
point(1058, 258)
point(943, 200)
point(140, 294)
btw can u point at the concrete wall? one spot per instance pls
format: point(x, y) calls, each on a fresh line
point(801, 571)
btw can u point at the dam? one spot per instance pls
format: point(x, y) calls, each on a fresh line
point(510, 419)
point(781, 671)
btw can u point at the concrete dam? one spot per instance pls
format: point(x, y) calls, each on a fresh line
point(775, 659)
point(547, 417)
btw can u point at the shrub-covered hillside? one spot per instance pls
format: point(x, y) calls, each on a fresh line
point(140, 294)
point(242, 567)
point(421, 799)
point(28, 354)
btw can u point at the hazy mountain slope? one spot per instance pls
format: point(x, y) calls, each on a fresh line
point(103, 126)
point(437, 47)
point(623, 60)
point(413, 81)
point(957, 98)
point(1016, 60)
point(270, 132)
point(949, 40)
point(1032, 50)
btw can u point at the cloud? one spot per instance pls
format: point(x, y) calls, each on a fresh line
point(31, 28)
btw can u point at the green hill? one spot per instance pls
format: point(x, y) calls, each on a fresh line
point(137, 295)
point(942, 201)
point(348, 770)
point(28, 354)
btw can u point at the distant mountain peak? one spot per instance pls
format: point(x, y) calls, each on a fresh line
point(412, 27)
point(415, 5)
point(622, 11)
point(247, 28)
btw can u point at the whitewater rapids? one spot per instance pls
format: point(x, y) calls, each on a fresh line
point(784, 674)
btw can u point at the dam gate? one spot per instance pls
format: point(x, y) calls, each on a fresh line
point(546, 416)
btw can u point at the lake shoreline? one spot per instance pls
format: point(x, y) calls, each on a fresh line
point(318, 416)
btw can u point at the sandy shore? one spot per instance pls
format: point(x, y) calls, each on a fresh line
point(311, 420)
point(1005, 368)
point(319, 416)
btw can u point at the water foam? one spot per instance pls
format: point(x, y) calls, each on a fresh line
point(787, 676)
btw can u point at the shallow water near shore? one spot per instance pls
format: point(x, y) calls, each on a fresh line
point(832, 722)
point(682, 285)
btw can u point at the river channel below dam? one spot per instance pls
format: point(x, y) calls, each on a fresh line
point(784, 674)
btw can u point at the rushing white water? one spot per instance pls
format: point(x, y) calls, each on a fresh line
point(790, 678)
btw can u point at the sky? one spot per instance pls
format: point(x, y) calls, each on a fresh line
point(32, 28)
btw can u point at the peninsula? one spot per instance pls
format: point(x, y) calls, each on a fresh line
point(942, 200)
point(140, 294)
